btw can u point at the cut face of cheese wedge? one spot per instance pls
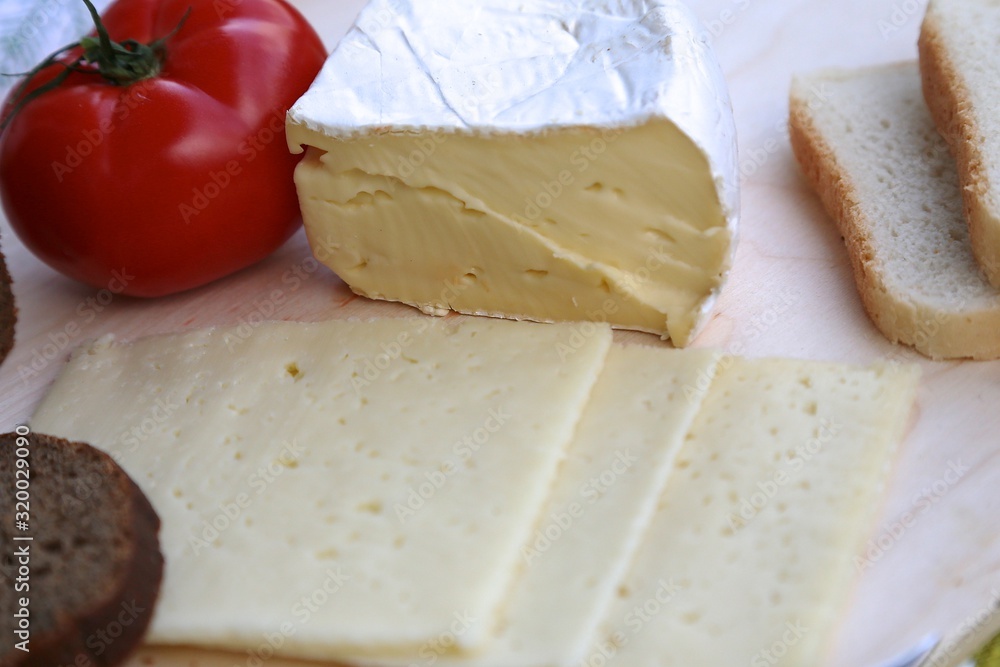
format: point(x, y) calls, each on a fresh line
point(571, 163)
point(750, 556)
point(599, 508)
point(336, 488)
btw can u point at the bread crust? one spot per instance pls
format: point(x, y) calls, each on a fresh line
point(948, 99)
point(8, 311)
point(837, 193)
point(92, 634)
point(938, 335)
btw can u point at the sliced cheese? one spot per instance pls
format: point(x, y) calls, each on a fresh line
point(750, 557)
point(570, 162)
point(343, 487)
point(635, 422)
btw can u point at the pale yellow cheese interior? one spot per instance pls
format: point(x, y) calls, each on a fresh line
point(351, 486)
point(402, 491)
point(622, 225)
point(749, 560)
point(598, 511)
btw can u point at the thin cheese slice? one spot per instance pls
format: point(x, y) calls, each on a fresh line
point(338, 487)
point(749, 559)
point(605, 495)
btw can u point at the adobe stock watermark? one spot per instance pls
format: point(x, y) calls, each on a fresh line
point(970, 627)
point(131, 98)
point(370, 368)
point(463, 451)
point(474, 88)
point(752, 160)
point(715, 27)
point(640, 615)
point(223, 8)
point(762, 322)
point(926, 331)
point(767, 490)
point(901, 14)
point(424, 148)
point(300, 615)
point(767, 319)
point(549, 191)
point(432, 650)
point(19, 557)
point(217, 182)
point(562, 521)
point(85, 484)
point(928, 497)
point(408, 164)
point(100, 640)
point(152, 419)
point(635, 621)
point(372, 22)
point(584, 331)
point(33, 29)
point(292, 280)
point(229, 512)
point(792, 635)
point(87, 311)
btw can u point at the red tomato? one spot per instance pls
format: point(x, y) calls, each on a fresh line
point(175, 180)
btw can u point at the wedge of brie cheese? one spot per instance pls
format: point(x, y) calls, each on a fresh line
point(563, 160)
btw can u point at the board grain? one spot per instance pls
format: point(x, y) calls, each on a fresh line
point(791, 294)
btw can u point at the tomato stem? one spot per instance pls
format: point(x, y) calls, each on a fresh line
point(130, 61)
point(120, 64)
point(50, 61)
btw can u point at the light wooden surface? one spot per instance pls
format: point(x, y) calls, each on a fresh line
point(790, 294)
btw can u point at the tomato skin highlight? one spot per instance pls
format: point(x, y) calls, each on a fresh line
point(176, 180)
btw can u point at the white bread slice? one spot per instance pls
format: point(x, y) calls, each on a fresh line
point(869, 148)
point(961, 80)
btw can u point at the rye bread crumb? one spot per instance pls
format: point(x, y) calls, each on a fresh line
point(8, 313)
point(95, 564)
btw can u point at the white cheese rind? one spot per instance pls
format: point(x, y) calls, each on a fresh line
point(472, 100)
point(749, 560)
point(506, 67)
point(621, 456)
point(369, 482)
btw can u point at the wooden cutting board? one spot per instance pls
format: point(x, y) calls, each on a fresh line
point(791, 294)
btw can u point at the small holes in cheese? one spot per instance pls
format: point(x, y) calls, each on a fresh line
point(371, 507)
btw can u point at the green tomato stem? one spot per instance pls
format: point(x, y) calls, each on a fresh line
point(101, 30)
point(120, 64)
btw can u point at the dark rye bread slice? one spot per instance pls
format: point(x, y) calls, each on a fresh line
point(94, 564)
point(8, 313)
